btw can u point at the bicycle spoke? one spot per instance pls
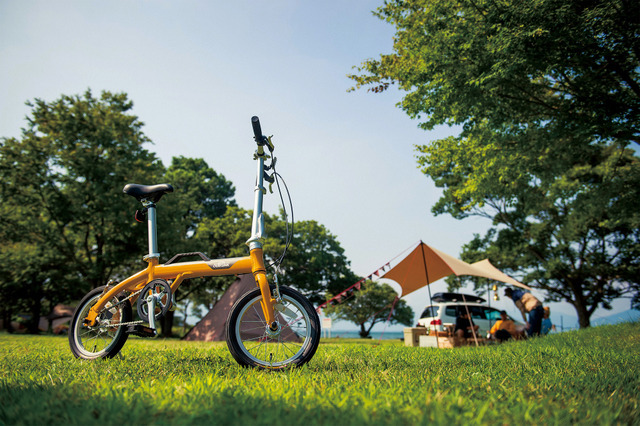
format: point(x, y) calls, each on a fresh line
point(95, 336)
point(106, 342)
point(285, 346)
point(252, 330)
point(294, 321)
point(89, 331)
point(255, 339)
point(105, 338)
point(251, 327)
point(257, 347)
point(258, 314)
point(300, 331)
point(260, 347)
point(279, 344)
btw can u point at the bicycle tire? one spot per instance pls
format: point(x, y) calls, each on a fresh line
point(252, 345)
point(99, 341)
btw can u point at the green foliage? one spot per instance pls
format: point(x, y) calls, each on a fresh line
point(200, 194)
point(583, 377)
point(61, 197)
point(548, 96)
point(569, 67)
point(66, 227)
point(565, 224)
point(315, 262)
point(370, 306)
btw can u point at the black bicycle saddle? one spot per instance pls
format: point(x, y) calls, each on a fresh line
point(151, 193)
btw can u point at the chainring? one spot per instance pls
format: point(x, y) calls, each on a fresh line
point(162, 290)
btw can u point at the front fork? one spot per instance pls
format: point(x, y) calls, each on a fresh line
point(260, 275)
point(255, 247)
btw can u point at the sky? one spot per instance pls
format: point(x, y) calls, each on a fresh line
point(198, 70)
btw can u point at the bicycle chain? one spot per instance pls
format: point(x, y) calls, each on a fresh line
point(120, 324)
point(119, 302)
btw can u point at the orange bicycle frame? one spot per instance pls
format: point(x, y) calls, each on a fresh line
point(178, 272)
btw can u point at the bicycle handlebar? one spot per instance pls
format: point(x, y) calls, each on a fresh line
point(261, 139)
point(257, 130)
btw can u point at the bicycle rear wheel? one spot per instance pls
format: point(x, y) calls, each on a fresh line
point(253, 344)
point(106, 338)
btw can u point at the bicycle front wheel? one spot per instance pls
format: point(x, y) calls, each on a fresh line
point(107, 337)
point(251, 341)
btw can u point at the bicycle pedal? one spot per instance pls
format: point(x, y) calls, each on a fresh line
point(141, 330)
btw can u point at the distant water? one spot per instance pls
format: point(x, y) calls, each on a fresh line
point(377, 335)
point(632, 315)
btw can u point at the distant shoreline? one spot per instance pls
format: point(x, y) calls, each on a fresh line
point(355, 334)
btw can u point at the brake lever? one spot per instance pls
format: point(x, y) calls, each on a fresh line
point(269, 143)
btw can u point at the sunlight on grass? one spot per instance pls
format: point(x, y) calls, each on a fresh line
point(587, 376)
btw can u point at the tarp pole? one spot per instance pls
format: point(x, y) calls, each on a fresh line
point(473, 330)
point(426, 275)
point(489, 299)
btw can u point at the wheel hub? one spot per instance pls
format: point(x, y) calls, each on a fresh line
point(274, 329)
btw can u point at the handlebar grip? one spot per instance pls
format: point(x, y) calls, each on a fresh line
point(257, 130)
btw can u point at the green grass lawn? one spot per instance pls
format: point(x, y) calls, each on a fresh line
point(588, 377)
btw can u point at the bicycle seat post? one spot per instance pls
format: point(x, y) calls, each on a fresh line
point(152, 229)
point(149, 195)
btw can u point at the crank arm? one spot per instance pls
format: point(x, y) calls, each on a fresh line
point(151, 311)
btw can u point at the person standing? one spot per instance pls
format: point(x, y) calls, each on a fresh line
point(527, 304)
point(547, 325)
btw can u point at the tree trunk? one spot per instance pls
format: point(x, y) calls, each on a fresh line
point(32, 324)
point(584, 317)
point(6, 320)
point(363, 333)
point(167, 324)
point(184, 320)
point(581, 309)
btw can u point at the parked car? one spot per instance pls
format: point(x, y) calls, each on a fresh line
point(446, 307)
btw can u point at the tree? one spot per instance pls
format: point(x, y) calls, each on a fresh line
point(66, 226)
point(61, 198)
point(548, 96)
point(574, 234)
point(372, 305)
point(568, 67)
point(315, 262)
point(199, 193)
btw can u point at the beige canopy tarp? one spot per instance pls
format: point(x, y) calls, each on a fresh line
point(425, 265)
point(491, 272)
